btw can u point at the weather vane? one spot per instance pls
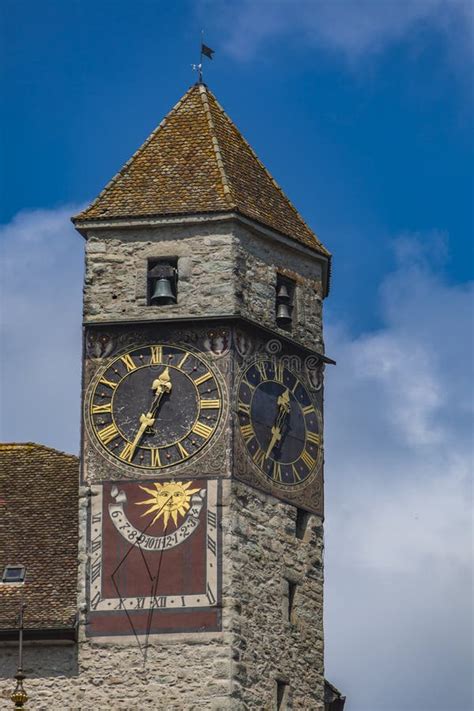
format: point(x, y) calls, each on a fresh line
point(205, 52)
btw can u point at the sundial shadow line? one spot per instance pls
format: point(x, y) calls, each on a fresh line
point(154, 589)
point(116, 570)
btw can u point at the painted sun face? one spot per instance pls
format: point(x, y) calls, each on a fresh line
point(168, 500)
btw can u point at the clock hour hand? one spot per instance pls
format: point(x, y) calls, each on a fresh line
point(160, 386)
point(283, 403)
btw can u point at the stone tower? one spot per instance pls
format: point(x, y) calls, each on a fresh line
point(201, 516)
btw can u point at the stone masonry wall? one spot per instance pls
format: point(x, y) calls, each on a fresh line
point(224, 269)
point(268, 643)
point(236, 669)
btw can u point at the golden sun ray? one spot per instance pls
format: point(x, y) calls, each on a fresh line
point(170, 499)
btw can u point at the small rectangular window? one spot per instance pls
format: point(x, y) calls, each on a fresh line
point(162, 282)
point(13, 574)
point(285, 292)
point(282, 689)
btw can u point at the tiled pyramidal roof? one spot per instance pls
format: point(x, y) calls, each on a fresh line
point(197, 161)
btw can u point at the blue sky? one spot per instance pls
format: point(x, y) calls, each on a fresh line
point(362, 111)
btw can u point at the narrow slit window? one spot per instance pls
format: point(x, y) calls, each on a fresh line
point(288, 599)
point(291, 597)
point(302, 520)
point(282, 689)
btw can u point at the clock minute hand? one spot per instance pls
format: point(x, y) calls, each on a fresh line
point(160, 386)
point(283, 403)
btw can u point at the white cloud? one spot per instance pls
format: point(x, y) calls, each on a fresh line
point(352, 28)
point(399, 497)
point(40, 311)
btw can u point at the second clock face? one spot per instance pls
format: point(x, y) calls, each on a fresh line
point(279, 424)
point(154, 406)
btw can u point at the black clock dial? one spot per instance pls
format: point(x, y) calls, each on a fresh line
point(279, 423)
point(155, 406)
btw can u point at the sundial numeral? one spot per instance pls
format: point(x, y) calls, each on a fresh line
point(210, 595)
point(212, 519)
point(211, 544)
point(96, 544)
point(95, 601)
point(95, 570)
point(158, 601)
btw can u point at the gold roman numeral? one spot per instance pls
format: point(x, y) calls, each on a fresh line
point(184, 454)
point(183, 360)
point(261, 369)
point(127, 453)
point(247, 432)
point(308, 459)
point(156, 353)
point(97, 409)
point(244, 408)
point(259, 458)
point(202, 378)
point(210, 404)
point(202, 430)
point(127, 360)
point(296, 473)
point(279, 367)
point(107, 434)
point(307, 410)
point(155, 458)
point(314, 438)
point(277, 471)
point(109, 383)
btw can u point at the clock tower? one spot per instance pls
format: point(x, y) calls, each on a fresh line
point(201, 508)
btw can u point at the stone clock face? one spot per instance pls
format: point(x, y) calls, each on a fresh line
point(154, 406)
point(279, 424)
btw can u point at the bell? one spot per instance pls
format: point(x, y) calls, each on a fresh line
point(162, 293)
point(283, 315)
point(283, 293)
